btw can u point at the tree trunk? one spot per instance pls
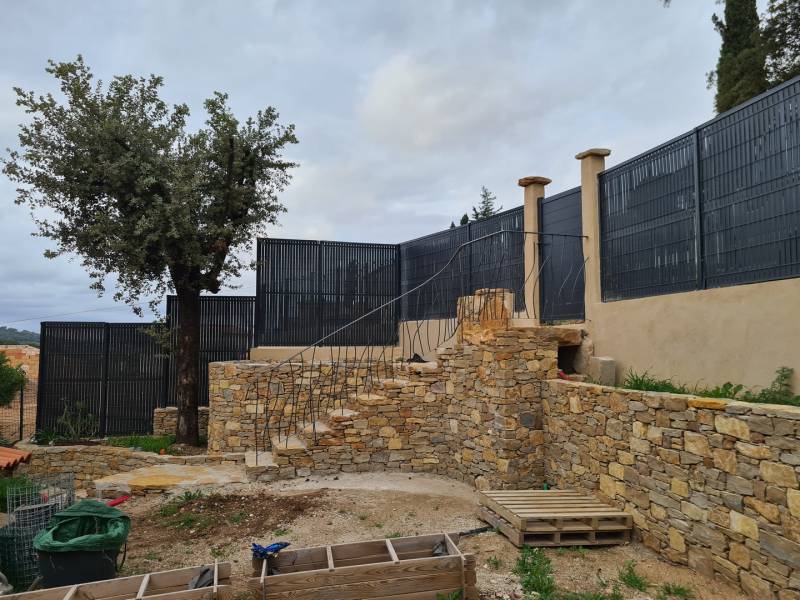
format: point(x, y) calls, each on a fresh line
point(188, 370)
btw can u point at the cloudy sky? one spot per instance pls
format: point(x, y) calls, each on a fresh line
point(403, 109)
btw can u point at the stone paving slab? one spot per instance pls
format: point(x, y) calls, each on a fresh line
point(170, 478)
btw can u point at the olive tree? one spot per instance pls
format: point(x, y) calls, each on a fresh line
point(112, 174)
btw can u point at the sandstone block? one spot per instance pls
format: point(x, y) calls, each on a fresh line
point(732, 426)
point(743, 524)
point(778, 473)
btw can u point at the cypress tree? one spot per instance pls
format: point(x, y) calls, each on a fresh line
point(741, 69)
point(782, 40)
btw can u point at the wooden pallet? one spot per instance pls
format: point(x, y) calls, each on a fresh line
point(163, 585)
point(388, 569)
point(554, 518)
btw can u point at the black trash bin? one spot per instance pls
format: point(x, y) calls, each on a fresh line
point(81, 544)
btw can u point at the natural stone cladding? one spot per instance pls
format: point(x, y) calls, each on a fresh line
point(88, 463)
point(473, 415)
point(710, 483)
point(165, 420)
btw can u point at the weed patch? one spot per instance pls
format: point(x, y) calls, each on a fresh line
point(672, 591)
point(629, 576)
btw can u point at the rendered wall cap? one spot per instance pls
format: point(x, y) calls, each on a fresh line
point(534, 179)
point(593, 152)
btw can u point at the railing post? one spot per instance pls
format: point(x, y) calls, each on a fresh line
point(593, 162)
point(534, 191)
point(698, 214)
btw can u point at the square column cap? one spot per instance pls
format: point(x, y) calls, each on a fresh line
point(534, 179)
point(593, 152)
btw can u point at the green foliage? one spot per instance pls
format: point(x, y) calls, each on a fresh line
point(148, 443)
point(669, 591)
point(741, 68)
point(76, 422)
point(45, 437)
point(778, 392)
point(11, 336)
point(535, 572)
point(112, 175)
point(781, 34)
point(486, 207)
point(464, 219)
point(173, 507)
point(451, 596)
point(494, 563)
point(629, 576)
point(12, 380)
point(11, 482)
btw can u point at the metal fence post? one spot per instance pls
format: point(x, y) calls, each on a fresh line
point(698, 214)
point(104, 380)
point(320, 306)
point(21, 412)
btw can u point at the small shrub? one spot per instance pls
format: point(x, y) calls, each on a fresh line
point(12, 380)
point(779, 391)
point(76, 422)
point(629, 576)
point(535, 573)
point(673, 591)
point(7, 483)
point(647, 383)
point(148, 443)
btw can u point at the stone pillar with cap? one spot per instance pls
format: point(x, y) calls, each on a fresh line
point(593, 162)
point(534, 191)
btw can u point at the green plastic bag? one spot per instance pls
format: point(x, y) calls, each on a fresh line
point(86, 526)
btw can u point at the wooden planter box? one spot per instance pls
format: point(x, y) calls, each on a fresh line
point(412, 568)
point(163, 585)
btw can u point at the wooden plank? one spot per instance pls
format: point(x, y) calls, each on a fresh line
point(330, 558)
point(375, 589)
point(71, 593)
point(500, 510)
point(392, 553)
point(359, 573)
point(143, 587)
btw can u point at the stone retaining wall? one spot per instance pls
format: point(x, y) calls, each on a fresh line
point(710, 483)
point(165, 420)
point(474, 414)
point(92, 462)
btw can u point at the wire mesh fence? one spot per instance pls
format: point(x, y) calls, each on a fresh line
point(18, 419)
point(31, 503)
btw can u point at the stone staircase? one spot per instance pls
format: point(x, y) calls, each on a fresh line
point(300, 452)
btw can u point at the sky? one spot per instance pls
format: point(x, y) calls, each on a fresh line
point(403, 109)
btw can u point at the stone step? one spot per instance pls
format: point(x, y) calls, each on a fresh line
point(317, 427)
point(342, 414)
point(393, 383)
point(292, 444)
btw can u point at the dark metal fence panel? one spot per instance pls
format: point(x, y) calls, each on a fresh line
point(647, 223)
point(226, 333)
point(71, 361)
point(750, 186)
point(135, 379)
point(111, 371)
point(561, 279)
point(497, 261)
point(307, 290)
point(715, 207)
point(423, 258)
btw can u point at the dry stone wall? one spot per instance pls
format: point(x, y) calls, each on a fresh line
point(88, 463)
point(710, 483)
point(165, 420)
point(473, 415)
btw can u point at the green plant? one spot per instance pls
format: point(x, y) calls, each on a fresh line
point(494, 563)
point(535, 573)
point(281, 531)
point(394, 534)
point(7, 483)
point(779, 391)
point(148, 443)
point(45, 437)
point(647, 383)
point(451, 596)
point(152, 556)
point(237, 518)
point(629, 576)
point(76, 422)
point(672, 590)
point(12, 380)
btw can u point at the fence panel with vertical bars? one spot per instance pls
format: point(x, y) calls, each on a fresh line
point(561, 278)
point(307, 290)
point(718, 206)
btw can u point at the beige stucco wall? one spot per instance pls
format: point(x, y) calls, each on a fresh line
point(739, 334)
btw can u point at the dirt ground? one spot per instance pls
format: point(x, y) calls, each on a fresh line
point(170, 534)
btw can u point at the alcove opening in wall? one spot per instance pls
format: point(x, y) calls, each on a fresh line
point(566, 358)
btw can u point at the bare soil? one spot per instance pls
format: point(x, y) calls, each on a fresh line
point(348, 508)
